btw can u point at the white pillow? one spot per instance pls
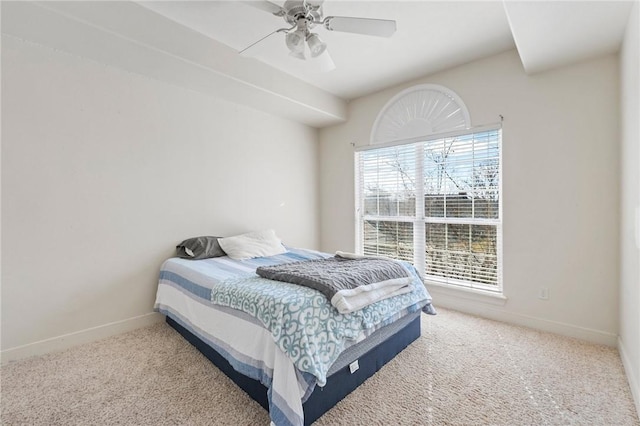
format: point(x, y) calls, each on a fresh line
point(253, 244)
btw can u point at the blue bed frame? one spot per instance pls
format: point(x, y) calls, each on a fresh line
point(339, 384)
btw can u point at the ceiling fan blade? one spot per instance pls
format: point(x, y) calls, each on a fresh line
point(367, 26)
point(313, 4)
point(267, 6)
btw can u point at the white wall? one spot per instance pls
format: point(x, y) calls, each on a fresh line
point(629, 343)
point(104, 171)
point(561, 188)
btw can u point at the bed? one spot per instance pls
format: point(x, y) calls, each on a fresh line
point(282, 343)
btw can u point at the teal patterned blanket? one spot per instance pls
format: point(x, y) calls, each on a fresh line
point(303, 322)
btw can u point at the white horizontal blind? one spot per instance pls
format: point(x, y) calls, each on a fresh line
point(454, 229)
point(462, 209)
point(388, 201)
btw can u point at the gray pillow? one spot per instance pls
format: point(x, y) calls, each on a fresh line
point(200, 248)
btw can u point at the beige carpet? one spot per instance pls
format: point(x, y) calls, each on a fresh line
point(462, 371)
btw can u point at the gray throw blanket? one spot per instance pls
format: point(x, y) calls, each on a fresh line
point(337, 274)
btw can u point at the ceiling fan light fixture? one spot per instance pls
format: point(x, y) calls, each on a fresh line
point(295, 41)
point(316, 45)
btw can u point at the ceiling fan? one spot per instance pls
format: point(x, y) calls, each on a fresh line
point(304, 15)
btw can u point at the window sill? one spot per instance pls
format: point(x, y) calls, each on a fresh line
point(476, 295)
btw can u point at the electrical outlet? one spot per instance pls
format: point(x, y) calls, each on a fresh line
point(543, 293)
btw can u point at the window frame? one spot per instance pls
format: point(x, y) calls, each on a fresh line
point(420, 221)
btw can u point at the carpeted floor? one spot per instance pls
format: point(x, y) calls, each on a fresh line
point(462, 371)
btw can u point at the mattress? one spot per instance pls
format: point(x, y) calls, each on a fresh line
point(284, 336)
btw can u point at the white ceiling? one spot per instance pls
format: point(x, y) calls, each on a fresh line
point(430, 36)
point(550, 34)
point(195, 44)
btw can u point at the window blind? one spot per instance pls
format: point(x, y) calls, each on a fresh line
point(436, 203)
point(388, 202)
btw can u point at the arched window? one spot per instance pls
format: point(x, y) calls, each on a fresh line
point(419, 111)
point(429, 189)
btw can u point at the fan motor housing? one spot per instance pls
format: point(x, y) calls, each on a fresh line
point(296, 10)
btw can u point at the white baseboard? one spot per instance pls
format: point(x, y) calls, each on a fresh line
point(498, 314)
point(65, 341)
point(632, 375)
